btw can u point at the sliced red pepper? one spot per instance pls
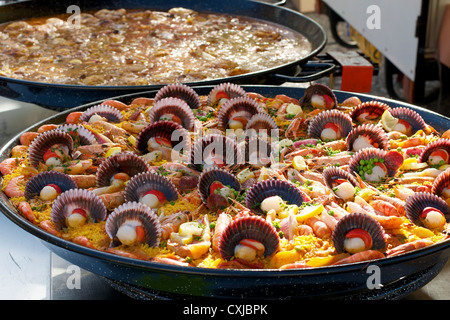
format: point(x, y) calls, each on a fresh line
point(362, 234)
point(161, 197)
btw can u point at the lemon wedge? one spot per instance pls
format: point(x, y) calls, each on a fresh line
point(112, 151)
point(388, 121)
point(413, 164)
point(293, 109)
point(309, 212)
point(299, 163)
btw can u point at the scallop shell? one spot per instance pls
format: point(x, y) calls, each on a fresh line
point(110, 113)
point(358, 221)
point(146, 181)
point(418, 201)
point(367, 154)
point(261, 122)
point(77, 198)
point(43, 142)
point(216, 174)
point(262, 147)
point(175, 107)
point(232, 90)
point(172, 131)
point(316, 89)
point(375, 134)
point(80, 135)
point(342, 120)
point(243, 106)
point(223, 146)
point(441, 143)
point(134, 211)
point(35, 184)
point(374, 109)
point(271, 187)
point(441, 182)
point(412, 117)
point(330, 174)
point(126, 162)
point(180, 91)
point(248, 227)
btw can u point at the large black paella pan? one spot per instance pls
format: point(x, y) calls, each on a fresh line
point(397, 276)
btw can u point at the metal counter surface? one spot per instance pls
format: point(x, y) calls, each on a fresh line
point(30, 271)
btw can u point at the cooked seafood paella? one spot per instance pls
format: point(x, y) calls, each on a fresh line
point(237, 180)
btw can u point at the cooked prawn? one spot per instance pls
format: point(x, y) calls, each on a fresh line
point(417, 244)
point(361, 256)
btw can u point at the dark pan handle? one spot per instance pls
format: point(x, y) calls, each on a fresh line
point(310, 71)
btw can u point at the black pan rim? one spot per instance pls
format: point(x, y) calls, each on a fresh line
point(27, 226)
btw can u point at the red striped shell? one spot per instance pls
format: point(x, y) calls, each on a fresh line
point(180, 91)
point(358, 221)
point(248, 227)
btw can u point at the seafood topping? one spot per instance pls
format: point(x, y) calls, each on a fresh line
point(153, 198)
point(50, 192)
point(76, 218)
point(357, 240)
point(322, 101)
point(134, 223)
point(330, 125)
point(56, 155)
point(367, 136)
point(426, 209)
point(357, 232)
point(432, 217)
point(436, 153)
point(438, 157)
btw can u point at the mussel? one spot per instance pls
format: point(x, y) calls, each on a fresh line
point(330, 125)
point(75, 207)
point(180, 91)
point(51, 148)
point(133, 223)
point(426, 210)
point(247, 237)
point(357, 232)
point(215, 186)
point(48, 185)
point(318, 96)
point(367, 136)
point(151, 189)
point(272, 194)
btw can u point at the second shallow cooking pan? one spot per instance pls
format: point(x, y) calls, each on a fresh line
point(61, 96)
